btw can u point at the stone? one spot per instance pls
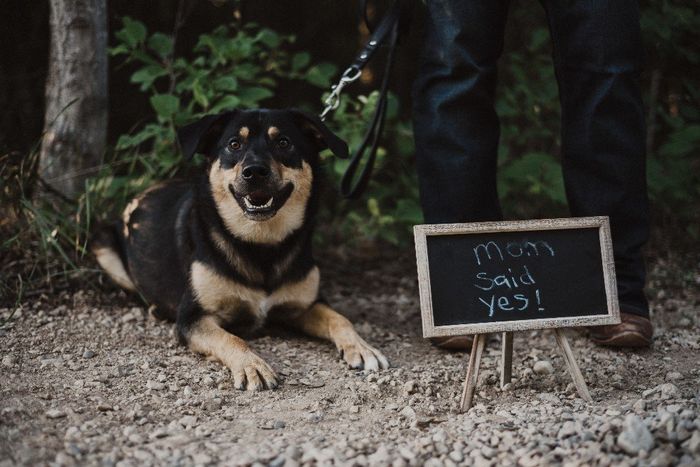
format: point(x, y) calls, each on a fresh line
point(55, 413)
point(635, 436)
point(693, 443)
point(543, 367)
point(88, 354)
point(567, 429)
point(154, 385)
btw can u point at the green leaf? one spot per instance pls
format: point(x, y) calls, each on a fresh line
point(227, 103)
point(161, 44)
point(165, 105)
point(226, 83)
point(269, 38)
point(320, 75)
point(199, 94)
point(250, 96)
point(300, 60)
point(147, 75)
point(132, 33)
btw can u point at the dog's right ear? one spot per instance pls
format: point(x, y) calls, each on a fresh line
point(200, 136)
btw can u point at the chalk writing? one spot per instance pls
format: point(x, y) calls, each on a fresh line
point(513, 249)
point(514, 290)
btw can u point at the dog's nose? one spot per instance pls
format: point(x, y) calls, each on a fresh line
point(255, 172)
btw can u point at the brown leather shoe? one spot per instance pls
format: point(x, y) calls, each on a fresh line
point(457, 343)
point(633, 331)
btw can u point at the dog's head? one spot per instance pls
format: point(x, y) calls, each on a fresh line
point(261, 167)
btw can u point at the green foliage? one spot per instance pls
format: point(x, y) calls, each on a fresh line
point(389, 208)
point(233, 66)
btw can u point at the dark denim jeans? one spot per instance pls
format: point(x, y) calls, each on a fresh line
point(597, 55)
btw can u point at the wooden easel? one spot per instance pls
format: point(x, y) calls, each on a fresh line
point(507, 364)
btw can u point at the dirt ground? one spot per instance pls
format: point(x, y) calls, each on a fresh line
point(90, 378)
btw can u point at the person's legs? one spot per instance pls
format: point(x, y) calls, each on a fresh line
point(455, 125)
point(597, 53)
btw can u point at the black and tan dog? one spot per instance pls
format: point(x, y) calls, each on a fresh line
point(231, 249)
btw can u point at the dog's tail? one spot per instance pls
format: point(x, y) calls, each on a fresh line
point(108, 247)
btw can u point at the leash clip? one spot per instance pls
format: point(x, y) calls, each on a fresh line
point(332, 102)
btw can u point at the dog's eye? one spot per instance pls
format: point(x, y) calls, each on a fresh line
point(283, 142)
point(234, 144)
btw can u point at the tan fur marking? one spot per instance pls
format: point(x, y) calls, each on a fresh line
point(273, 132)
point(222, 296)
point(273, 230)
point(128, 211)
point(110, 261)
point(324, 322)
point(244, 132)
point(302, 293)
point(248, 370)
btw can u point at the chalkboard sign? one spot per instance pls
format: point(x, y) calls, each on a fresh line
point(511, 276)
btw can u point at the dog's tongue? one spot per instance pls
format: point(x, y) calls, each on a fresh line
point(259, 198)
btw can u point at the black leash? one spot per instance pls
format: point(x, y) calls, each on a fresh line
point(388, 29)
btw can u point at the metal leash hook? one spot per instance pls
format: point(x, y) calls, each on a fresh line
point(332, 102)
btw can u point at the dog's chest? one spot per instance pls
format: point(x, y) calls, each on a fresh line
point(227, 298)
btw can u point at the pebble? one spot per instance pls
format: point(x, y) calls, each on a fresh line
point(88, 354)
point(8, 360)
point(55, 413)
point(543, 367)
point(154, 385)
point(635, 436)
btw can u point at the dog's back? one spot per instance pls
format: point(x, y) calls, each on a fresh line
point(147, 250)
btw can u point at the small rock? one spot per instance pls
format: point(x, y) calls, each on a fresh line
point(293, 452)
point(55, 413)
point(567, 429)
point(188, 421)
point(213, 404)
point(673, 376)
point(543, 367)
point(635, 436)
point(409, 386)
point(669, 391)
point(8, 360)
point(88, 354)
point(279, 424)
point(456, 456)
point(408, 413)
point(693, 444)
point(155, 385)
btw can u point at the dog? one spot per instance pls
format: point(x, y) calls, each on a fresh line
point(228, 250)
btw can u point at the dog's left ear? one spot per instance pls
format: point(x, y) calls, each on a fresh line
point(322, 136)
point(200, 136)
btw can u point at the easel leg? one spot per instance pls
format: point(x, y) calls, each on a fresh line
point(472, 372)
point(506, 358)
point(579, 382)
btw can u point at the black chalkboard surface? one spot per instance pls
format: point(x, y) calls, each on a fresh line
point(507, 276)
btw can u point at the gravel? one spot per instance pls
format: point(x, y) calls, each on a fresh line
point(91, 379)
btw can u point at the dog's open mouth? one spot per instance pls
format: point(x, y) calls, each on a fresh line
point(262, 204)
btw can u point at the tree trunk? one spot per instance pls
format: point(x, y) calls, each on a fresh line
point(75, 121)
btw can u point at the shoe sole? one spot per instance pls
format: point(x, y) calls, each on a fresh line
point(624, 339)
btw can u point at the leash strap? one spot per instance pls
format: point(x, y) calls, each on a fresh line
point(388, 28)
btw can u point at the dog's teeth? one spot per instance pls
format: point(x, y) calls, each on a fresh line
point(249, 204)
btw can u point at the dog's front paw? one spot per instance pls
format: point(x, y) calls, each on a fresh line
point(252, 372)
point(360, 355)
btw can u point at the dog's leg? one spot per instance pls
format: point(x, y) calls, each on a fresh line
point(324, 322)
point(204, 335)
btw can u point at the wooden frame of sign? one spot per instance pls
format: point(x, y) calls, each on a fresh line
point(507, 327)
